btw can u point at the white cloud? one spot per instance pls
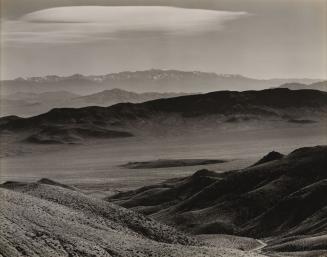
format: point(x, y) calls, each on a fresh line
point(89, 23)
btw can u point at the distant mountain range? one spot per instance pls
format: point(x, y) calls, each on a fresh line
point(144, 81)
point(29, 104)
point(216, 110)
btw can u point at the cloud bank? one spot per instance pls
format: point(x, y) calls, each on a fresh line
point(76, 24)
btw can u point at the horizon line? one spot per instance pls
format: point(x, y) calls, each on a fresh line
point(156, 69)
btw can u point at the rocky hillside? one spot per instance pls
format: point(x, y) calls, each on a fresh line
point(49, 219)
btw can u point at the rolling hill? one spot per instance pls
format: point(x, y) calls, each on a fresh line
point(46, 219)
point(281, 199)
point(216, 110)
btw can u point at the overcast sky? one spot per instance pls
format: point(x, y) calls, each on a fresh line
point(256, 38)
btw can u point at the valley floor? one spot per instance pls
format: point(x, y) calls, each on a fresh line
point(96, 170)
point(98, 162)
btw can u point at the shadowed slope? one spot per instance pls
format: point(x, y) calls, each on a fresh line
point(274, 197)
point(203, 111)
point(272, 102)
point(272, 156)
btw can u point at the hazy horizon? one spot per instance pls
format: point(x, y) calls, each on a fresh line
point(163, 69)
point(256, 39)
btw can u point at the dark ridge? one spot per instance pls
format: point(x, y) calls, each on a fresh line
point(166, 194)
point(317, 151)
point(7, 119)
point(69, 125)
point(205, 173)
point(267, 103)
point(275, 98)
point(272, 156)
point(285, 196)
point(298, 213)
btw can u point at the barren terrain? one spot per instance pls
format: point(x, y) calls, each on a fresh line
point(47, 219)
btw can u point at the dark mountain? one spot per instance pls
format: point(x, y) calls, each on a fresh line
point(282, 199)
point(143, 81)
point(321, 85)
point(213, 110)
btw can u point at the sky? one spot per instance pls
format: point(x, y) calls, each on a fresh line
point(254, 38)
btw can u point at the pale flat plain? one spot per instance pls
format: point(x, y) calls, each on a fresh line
point(95, 165)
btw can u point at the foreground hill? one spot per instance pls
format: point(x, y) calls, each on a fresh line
point(216, 110)
point(282, 199)
point(49, 219)
point(143, 81)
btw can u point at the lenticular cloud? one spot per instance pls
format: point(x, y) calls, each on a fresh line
point(87, 22)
